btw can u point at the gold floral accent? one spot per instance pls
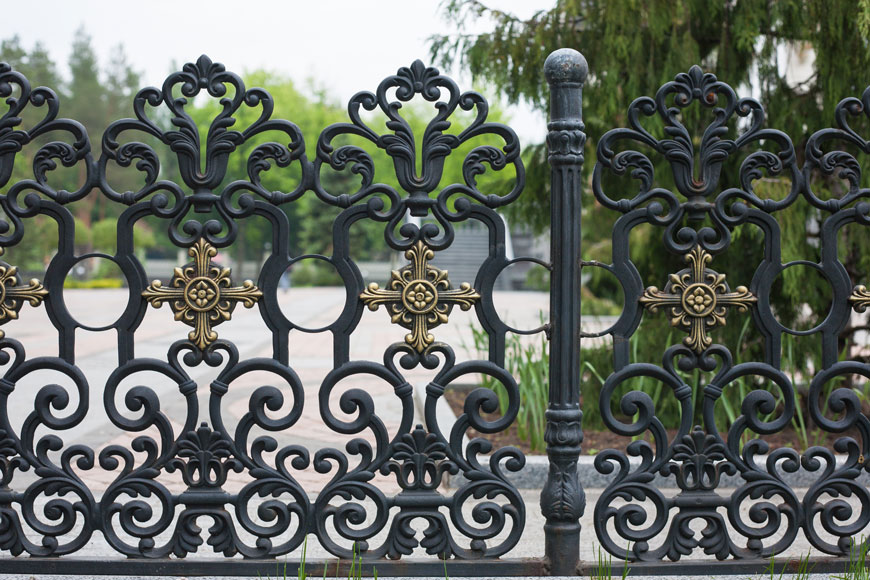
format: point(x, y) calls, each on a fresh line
point(201, 294)
point(860, 298)
point(418, 297)
point(12, 296)
point(697, 299)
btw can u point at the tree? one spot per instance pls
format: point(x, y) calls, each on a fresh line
point(40, 70)
point(634, 46)
point(122, 81)
point(92, 97)
point(85, 103)
point(36, 65)
point(13, 53)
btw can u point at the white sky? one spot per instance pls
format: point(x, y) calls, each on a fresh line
point(342, 45)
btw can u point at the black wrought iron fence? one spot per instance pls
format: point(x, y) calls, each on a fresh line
point(270, 512)
point(696, 215)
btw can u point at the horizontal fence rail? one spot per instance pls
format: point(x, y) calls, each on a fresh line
point(695, 186)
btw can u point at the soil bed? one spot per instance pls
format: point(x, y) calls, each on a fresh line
point(595, 441)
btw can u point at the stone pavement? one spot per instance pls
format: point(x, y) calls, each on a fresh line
point(311, 356)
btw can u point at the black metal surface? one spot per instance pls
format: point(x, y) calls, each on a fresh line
point(697, 219)
point(273, 508)
point(59, 514)
point(257, 568)
point(562, 499)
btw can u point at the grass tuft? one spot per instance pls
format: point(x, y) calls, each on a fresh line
point(604, 569)
point(856, 568)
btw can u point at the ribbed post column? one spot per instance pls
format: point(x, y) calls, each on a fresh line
point(562, 499)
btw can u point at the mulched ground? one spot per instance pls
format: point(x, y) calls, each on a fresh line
point(595, 441)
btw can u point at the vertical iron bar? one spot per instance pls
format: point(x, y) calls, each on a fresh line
point(562, 499)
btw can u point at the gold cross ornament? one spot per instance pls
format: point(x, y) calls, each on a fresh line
point(201, 294)
point(697, 299)
point(418, 297)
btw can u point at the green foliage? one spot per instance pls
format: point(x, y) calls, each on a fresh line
point(802, 572)
point(633, 47)
point(595, 306)
point(604, 566)
point(39, 244)
point(856, 568)
point(355, 572)
point(93, 96)
point(529, 364)
point(36, 64)
point(104, 233)
point(596, 365)
point(315, 273)
point(311, 219)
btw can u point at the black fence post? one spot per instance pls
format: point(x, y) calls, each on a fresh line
point(563, 499)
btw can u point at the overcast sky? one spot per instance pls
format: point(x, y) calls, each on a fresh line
point(344, 46)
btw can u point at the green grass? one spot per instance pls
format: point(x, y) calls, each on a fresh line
point(93, 284)
point(856, 567)
point(355, 572)
point(802, 573)
point(604, 568)
point(528, 361)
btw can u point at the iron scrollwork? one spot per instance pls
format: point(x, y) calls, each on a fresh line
point(233, 471)
point(454, 202)
point(419, 297)
point(58, 507)
point(697, 218)
point(695, 209)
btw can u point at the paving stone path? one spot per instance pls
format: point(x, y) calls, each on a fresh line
point(311, 356)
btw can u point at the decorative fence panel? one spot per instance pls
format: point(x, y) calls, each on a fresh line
point(239, 474)
point(696, 212)
point(202, 215)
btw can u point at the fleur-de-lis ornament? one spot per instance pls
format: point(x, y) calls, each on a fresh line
point(13, 295)
point(860, 298)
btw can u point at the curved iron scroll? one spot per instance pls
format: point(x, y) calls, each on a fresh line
point(697, 216)
point(273, 512)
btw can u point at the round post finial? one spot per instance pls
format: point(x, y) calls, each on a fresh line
point(566, 65)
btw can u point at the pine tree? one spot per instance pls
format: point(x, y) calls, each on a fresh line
point(635, 46)
point(13, 53)
point(40, 68)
